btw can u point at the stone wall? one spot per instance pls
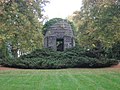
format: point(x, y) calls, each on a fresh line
point(60, 30)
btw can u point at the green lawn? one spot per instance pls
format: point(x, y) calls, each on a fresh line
point(60, 79)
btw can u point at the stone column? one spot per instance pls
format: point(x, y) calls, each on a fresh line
point(67, 42)
point(51, 42)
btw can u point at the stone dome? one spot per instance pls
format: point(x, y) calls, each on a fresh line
point(59, 36)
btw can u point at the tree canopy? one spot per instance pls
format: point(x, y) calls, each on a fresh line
point(98, 21)
point(21, 23)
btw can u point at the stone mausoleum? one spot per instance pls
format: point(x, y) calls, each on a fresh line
point(59, 36)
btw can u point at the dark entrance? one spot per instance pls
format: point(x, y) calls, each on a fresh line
point(60, 44)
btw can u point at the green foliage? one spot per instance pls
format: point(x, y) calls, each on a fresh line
point(98, 20)
point(114, 52)
point(71, 58)
point(1, 54)
point(19, 24)
point(4, 52)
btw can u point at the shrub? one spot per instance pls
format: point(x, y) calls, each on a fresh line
point(114, 52)
point(46, 58)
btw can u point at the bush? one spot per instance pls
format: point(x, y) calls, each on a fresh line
point(46, 58)
point(114, 52)
point(0, 61)
point(1, 54)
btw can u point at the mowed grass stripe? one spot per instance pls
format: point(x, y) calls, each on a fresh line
point(90, 82)
point(114, 84)
point(104, 83)
point(62, 79)
point(58, 81)
point(113, 78)
point(78, 82)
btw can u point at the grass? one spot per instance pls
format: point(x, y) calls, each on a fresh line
point(60, 79)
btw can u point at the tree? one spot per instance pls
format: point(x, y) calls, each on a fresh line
point(21, 24)
point(98, 20)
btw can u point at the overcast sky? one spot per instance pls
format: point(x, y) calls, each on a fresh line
point(62, 8)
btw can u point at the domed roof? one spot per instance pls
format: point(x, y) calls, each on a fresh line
point(61, 25)
point(60, 29)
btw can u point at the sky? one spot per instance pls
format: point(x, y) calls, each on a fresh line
point(62, 8)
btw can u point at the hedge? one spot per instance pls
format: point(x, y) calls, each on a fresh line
point(49, 59)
